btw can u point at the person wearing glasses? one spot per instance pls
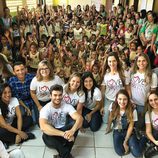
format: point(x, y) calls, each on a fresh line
point(41, 83)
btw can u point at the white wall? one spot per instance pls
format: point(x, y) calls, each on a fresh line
point(145, 4)
point(74, 3)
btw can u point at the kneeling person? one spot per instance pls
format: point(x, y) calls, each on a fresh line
point(58, 133)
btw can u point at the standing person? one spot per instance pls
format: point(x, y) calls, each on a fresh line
point(93, 97)
point(20, 85)
point(12, 124)
point(151, 118)
point(58, 133)
point(73, 93)
point(41, 83)
point(142, 81)
point(123, 115)
point(114, 79)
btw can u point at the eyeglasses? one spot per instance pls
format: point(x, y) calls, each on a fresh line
point(44, 69)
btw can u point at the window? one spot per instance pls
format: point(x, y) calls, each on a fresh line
point(13, 4)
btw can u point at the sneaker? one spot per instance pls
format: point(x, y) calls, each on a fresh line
point(30, 136)
point(151, 151)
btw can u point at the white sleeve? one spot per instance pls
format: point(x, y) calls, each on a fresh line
point(44, 113)
point(127, 77)
point(147, 118)
point(70, 109)
point(60, 81)
point(97, 94)
point(0, 112)
point(135, 116)
point(154, 81)
point(82, 98)
point(33, 85)
point(15, 102)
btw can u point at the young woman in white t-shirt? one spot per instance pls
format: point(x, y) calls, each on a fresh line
point(93, 97)
point(41, 84)
point(73, 93)
point(151, 121)
point(123, 115)
point(12, 124)
point(114, 79)
point(142, 81)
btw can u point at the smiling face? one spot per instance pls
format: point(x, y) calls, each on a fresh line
point(6, 95)
point(45, 71)
point(20, 71)
point(112, 62)
point(56, 98)
point(122, 101)
point(142, 63)
point(153, 101)
point(74, 83)
point(88, 83)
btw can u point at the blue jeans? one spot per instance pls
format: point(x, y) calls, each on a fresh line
point(107, 103)
point(95, 122)
point(136, 146)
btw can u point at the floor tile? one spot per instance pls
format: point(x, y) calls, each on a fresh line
point(128, 156)
point(49, 153)
point(38, 141)
point(85, 139)
point(79, 152)
point(106, 152)
point(103, 127)
point(33, 151)
point(103, 140)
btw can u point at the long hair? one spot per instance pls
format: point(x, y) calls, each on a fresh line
point(3, 106)
point(67, 87)
point(120, 70)
point(84, 76)
point(115, 114)
point(147, 105)
point(148, 71)
point(40, 65)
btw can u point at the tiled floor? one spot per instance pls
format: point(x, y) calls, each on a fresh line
point(87, 145)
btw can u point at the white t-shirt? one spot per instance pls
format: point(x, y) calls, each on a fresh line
point(11, 110)
point(42, 88)
point(113, 84)
point(90, 103)
point(77, 34)
point(56, 117)
point(154, 120)
point(140, 89)
point(73, 98)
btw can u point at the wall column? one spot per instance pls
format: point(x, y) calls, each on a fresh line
point(2, 4)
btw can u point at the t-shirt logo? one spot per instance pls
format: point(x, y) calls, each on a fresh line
point(69, 100)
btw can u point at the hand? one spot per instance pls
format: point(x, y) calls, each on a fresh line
point(88, 117)
point(69, 135)
point(126, 147)
point(7, 33)
point(102, 111)
point(23, 135)
point(156, 142)
point(28, 111)
point(17, 139)
point(108, 130)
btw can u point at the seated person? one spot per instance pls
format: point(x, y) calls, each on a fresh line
point(58, 133)
point(12, 124)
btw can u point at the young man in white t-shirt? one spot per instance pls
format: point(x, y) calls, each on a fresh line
point(57, 132)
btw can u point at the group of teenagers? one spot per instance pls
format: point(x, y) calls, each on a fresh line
point(67, 78)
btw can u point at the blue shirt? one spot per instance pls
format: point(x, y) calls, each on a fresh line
point(22, 90)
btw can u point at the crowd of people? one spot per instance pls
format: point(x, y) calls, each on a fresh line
point(70, 69)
